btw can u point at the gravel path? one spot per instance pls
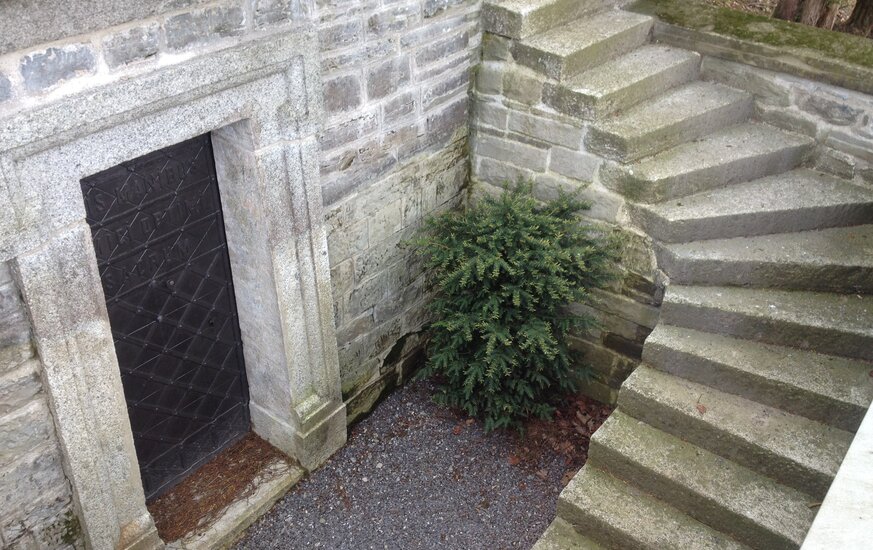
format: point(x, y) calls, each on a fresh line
point(414, 475)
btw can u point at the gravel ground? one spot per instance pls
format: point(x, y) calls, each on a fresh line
point(414, 475)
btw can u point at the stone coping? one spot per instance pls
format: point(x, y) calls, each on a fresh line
point(845, 519)
point(827, 56)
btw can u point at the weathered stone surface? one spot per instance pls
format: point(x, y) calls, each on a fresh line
point(765, 85)
point(393, 19)
point(14, 325)
point(605, 508)
point(519, 154)
point(25, 428)
point(18, 386)
point(45, 69)
point(837, 260)
point(5, 88)
point(188, 29)
point(490, 114)
point(388, 77)
point(270, 12)
point(574, 164)
point(342, 93)
point(345, 132)
point(832, 390)
point(800, 200)
point(441, 49)
point(736, 154)
point(581, 45)
point(399, 107)
point(489, 78)
point(679, 116)
point(338, 35)
point(839, 325)
point(791, 449)
point(724, 495)
point(831, 108)
point(496, 48)
point(131, 45)
point(545, 129)
point(522, 86)
point(438, 93)
point(561, 536)
point(27, 24)
point(523, 18)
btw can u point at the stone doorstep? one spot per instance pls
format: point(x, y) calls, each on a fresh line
point(274, 481)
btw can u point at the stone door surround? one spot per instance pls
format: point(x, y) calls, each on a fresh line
point(262, 102)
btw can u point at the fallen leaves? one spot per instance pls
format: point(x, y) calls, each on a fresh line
point(567, 435)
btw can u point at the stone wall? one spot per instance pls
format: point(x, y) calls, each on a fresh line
point(36, 507)
point(840, 120)
point(517, 136)
point(393, 149)
point(396, 78)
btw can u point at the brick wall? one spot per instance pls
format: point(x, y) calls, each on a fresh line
point(36, 509)
point(396, 77)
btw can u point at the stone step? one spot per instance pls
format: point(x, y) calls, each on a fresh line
point(623, 82)
point(520, 19)
point(838, 259)
point(832, 390)
point(560, 535)
point(749, 507)
point(800, 200)
point(619, 515)
point(733, 155)
point(835, 324)
point(678, 116)
point(793, 450)
point(582, 44)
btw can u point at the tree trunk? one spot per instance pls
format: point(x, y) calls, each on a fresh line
point(829, 18)
point(861, 21)
point(813, 10)
point(787, 9)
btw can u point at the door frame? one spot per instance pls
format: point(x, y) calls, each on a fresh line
point(264, 122)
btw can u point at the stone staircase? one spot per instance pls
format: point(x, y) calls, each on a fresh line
point(759, 371)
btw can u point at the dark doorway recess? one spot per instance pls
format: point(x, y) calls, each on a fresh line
point(162, 253)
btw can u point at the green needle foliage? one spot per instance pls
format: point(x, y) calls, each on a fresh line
point(504, 272)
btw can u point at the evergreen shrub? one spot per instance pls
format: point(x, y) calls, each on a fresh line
point(504, 272)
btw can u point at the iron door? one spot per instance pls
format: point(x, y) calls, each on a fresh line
point(158, 230)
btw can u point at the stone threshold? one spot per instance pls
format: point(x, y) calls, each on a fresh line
point(271, 484)
point(828, 56)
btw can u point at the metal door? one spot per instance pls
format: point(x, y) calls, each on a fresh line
point(162, 253)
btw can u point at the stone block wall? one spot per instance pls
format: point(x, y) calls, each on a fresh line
point(840, 120)
point(517, 136)
point(36, 506)
point(396, 86)
point(395, 78)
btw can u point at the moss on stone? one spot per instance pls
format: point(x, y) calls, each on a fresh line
point(761, 29)
point(71, 532)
